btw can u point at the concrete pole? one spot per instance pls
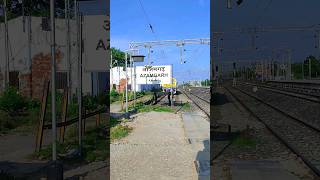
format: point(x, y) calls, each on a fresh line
point(126, 66)
point(53, 80)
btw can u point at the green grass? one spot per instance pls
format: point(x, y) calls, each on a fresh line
point(162, 109)
point(95, 146)
point(119, 131)
point(186, 106)
point(141, 107)
point(244, 142)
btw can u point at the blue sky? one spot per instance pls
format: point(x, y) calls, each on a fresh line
point(171, 19)
point(267, 13)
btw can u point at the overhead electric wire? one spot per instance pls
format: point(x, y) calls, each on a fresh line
point(150, 25)
point(263, 13)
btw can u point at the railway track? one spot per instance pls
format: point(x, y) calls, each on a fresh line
point(301, 138)
point(309, 92)
point(300, 108)
point(288, 92)
point(201, 98)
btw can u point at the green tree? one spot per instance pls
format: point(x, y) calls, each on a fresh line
point(315, 68)
point(39, 8)
point(118, 57)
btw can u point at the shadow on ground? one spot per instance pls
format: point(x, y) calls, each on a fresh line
point(203, 162)
point(219, 99)
point(36, 171)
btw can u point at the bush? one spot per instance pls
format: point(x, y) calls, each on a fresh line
point(12, 102)
point(103, 99)
point(90, 102)
point(114, 93)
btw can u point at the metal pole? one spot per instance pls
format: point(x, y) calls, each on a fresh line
point(29, 52)
point(79, 44)
point(67, 19)
point(135, 86)
point(53, 80)
point(149, 55)
point(171, 87)
point(310, 68)
point(6, 44)
point(119, 77)
point(180, 54)
point(126, 66)
point(289, 65)
point(302, 69)
point(131, 78)
point(111, 72)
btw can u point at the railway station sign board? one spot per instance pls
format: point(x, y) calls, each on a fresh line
point(96, 35)
point(154, 74)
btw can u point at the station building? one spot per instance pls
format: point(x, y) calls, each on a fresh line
point(30, 54)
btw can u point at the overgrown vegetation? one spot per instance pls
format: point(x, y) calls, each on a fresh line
point(95, 146)
point(141, 107)
point(244, 140)
point(119, 131)
point(118, 96)
point(40, 8)
point(16, 110)
point(20, 112)
point(186, 106)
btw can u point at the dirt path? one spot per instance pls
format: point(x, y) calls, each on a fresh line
point(156, 149)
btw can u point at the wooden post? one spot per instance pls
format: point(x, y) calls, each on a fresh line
point(42, 115)
point(97, 120)
point(64, 114)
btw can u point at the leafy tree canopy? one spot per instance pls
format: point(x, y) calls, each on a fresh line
point(118, 57)
point(33, 7)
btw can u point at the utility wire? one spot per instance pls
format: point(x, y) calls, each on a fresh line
point(150, 25)
point(263, 12)
point(146, 17)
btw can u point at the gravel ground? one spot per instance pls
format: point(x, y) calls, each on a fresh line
point(156, 149)
point(267, 146)
point(305, 110)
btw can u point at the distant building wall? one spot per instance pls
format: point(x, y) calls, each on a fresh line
point(32, 73)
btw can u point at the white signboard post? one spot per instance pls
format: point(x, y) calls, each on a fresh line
point(96, 45)
point(154, 74)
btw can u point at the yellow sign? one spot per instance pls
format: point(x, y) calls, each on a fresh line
point(174, 84)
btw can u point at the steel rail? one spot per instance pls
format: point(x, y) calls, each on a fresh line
point(294, 150)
